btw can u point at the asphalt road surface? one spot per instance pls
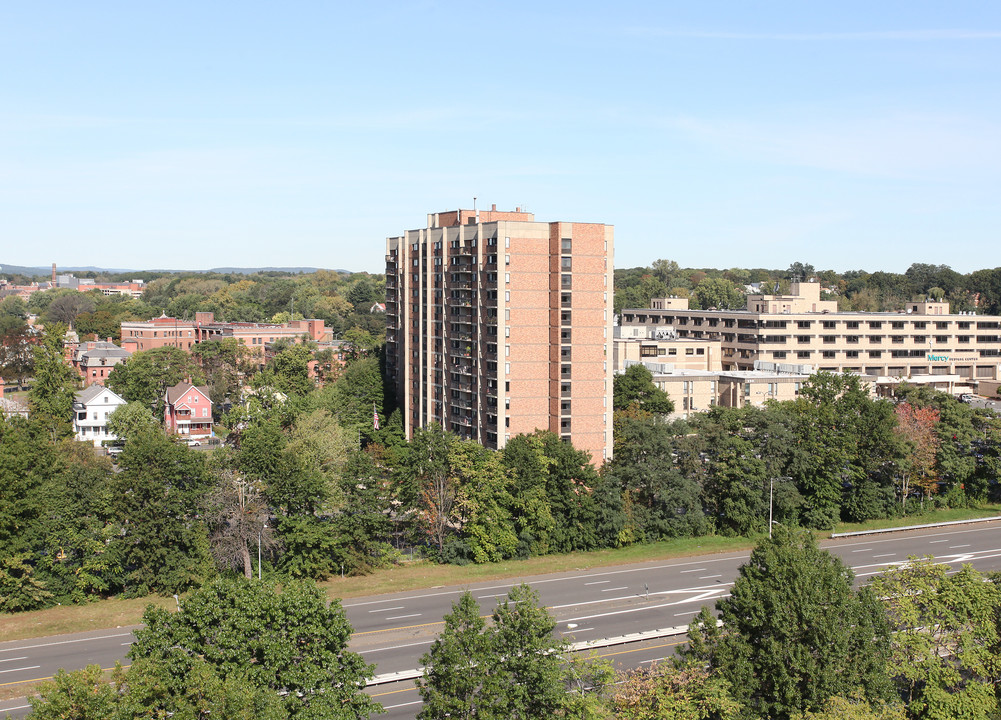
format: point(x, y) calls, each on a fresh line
point(393, 631)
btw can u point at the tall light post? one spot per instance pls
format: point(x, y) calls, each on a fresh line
point(260, 535)
point(771, 496)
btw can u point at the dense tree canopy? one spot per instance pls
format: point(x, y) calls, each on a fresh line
point(794, 633)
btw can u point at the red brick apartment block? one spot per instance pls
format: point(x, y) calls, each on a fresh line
point(499, 325)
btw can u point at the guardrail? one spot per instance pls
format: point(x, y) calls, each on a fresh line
point(914, 527)
point(402, 675)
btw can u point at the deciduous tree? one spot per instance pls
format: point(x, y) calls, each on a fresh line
point(289, 644)
point(794, 631)
point(945, 648)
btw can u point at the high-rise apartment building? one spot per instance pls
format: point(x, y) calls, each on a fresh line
point(499, 325)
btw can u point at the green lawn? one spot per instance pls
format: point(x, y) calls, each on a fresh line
point(417, 575)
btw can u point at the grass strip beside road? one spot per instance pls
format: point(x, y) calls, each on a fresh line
point(420, 575)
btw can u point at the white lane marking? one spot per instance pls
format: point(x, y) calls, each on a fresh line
point(27, 667)
point(713, 594)
point(690, 612)
point(715, 588)
point(644, 568)
point(126, 644)
point(693, 570)
point(387, 609)
point(598, 582)
point(580, 630)
point(956, 547)
point(16, 707)
point(390, 707)
point(64, 642)
point(395, 647)
point(865, 549)
point(737, 556)
point(709, 577)
point(644, 662)
point(886, 555)
point(932, 542)
point(614, 589)
point(400, 617)
point(24, 657)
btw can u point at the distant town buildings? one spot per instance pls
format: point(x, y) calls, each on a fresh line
point(172, 332)
point(132, 288)
point(499, 325)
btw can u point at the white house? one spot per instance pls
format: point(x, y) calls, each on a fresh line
point(92, 407)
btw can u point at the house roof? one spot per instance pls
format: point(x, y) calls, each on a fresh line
point(88, 394)
point(95, 355)
point(175, 393)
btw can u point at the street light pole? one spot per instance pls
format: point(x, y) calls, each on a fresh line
point(771, 496)
point(260, 534)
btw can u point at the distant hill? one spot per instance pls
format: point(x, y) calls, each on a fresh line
point(91, 270)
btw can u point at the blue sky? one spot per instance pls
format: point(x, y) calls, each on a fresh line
point(718, 134)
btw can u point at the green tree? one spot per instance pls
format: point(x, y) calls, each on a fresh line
point(431, 486)
point(78, 695)
point(19, 590)
point(66, 307)
point(51, 394)
point(225, 363)
point(513, 669)
point(661, 501)
point(290, 370)
point(794, 632)
point(555, 494)
point(130, 420)
point(16, 357)
point(735, 481)
point(287, 642)
point(720, 294)
point(68, 538)
point(945, 651)
point(145, 377)
point(162, 544)
point(635, 386)
point(667, 692)
point(841, 708)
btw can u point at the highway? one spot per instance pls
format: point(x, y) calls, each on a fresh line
point(393, 631)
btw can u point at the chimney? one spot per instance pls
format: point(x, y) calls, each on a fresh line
point(493, 207)
point(53, 274)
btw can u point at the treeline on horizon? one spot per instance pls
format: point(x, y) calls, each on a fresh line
point(341, 300)
point(855, 290)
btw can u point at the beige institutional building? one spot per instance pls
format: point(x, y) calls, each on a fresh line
point(499, 325)
point(799, 331)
